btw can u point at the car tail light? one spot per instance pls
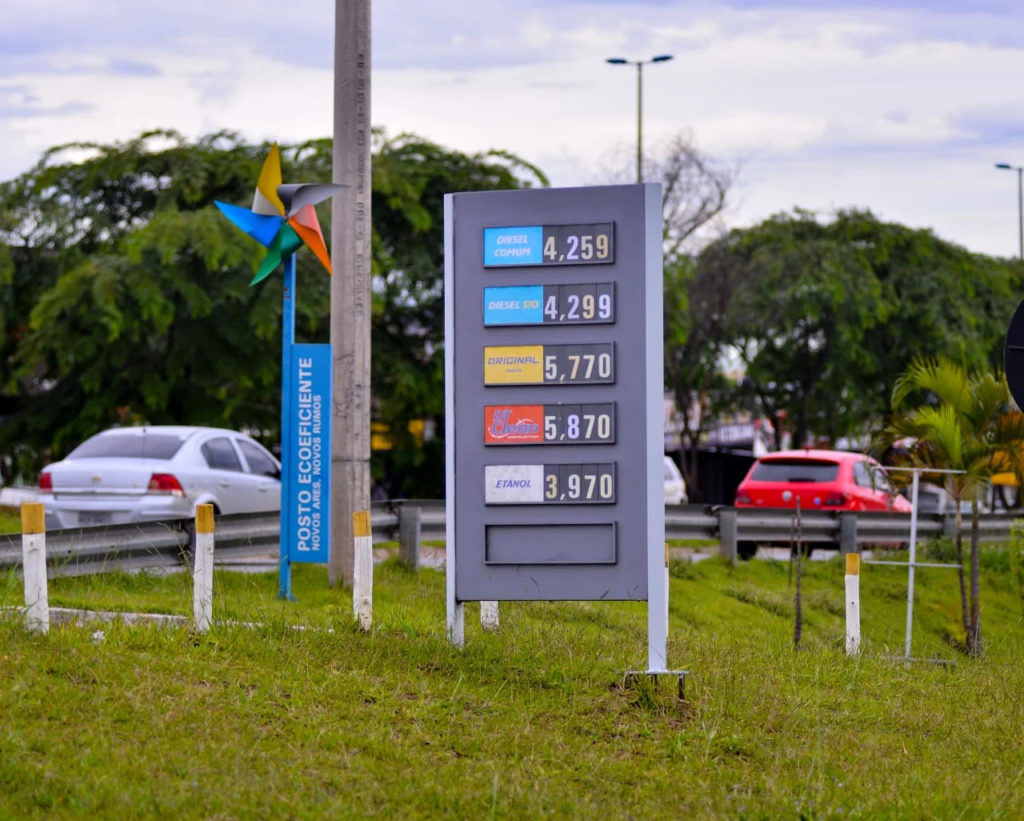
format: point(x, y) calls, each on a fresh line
point(835, 500)
point(165, 483)
point(45, 481)
point(743, 499)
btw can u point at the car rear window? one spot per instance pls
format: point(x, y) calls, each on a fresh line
point(796, 470)
point(129, 446)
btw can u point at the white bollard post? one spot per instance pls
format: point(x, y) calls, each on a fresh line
point(362, 572)
point(489, 615)
point(33, 553)
point(202, 571)
point(852, 604)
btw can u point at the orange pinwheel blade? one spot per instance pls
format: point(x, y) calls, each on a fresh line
point(307, 226)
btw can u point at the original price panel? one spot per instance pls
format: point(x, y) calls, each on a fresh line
point(578, 304)
point(583, 424)
point(572, 484)
point(584, 364)
point(522, 245)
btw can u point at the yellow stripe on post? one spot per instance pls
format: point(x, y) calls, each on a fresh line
point(853, 564)
point(361, 524)
point(33, 518)
point(204, 518)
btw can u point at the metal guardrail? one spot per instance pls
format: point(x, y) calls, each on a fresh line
point(86, 550)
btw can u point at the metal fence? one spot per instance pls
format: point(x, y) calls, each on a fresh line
point(410, 522)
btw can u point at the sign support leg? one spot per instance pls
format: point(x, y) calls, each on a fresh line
point(657, 611)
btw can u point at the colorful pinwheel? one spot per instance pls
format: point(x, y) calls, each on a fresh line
point(282, 218)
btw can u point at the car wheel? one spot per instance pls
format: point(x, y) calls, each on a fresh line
point(746, 550)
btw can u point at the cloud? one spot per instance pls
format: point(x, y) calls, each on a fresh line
point(19, 101)
point(857, 102)
point(134, 68)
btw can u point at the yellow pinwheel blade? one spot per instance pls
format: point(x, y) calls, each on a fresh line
point(266, 200)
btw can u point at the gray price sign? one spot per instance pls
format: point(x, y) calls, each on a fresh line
point(554, 394)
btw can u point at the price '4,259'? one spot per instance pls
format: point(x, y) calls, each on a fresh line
point(578, 244)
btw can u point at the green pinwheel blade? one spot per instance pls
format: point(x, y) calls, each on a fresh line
point(286, 242)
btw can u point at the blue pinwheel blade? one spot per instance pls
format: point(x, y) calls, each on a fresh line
point(260, 227)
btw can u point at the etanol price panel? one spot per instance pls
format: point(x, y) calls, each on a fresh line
point(576, 304)
point(585, 364)
point(549, 484)
point(581, 244)
point(582, 424)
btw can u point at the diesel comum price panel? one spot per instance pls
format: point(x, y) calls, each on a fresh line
point(554, 397)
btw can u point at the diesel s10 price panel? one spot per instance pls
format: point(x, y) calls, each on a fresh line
point(519, 245)
point(583, 424)
point(579, 304)
point(584, 364)
point(550, 484)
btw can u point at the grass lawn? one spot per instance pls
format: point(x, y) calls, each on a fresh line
point(10, 520)
point(532, 721)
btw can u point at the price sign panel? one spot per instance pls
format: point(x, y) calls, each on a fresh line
point(585, 244)
point(549, 484)
point(592, 364)
point(554, 393)
point(582, 424)
point(585, 302)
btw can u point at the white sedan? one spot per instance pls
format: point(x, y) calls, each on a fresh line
point(675, 485)
point(153, 473)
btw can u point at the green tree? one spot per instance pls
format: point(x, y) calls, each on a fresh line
point(695, 190)
point(410, 178)
point(961, 421)
point(824, 316)
point(136, 303)
point(124, 293)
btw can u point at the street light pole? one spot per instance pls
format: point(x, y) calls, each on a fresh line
point(619, 61)
point(1020, 203)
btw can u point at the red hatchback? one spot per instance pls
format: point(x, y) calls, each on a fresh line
point(821, 480)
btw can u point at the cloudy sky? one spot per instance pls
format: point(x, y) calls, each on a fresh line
point(899, 106)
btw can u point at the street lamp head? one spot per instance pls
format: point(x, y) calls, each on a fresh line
point(1003, 165)
point(618, 61)
point(662, 58)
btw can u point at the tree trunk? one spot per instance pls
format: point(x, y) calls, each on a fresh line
point(960, 572)
point(974, 633)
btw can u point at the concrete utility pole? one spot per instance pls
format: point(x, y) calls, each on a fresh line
point(350, 286)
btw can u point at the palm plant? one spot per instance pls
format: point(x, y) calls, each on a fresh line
point(962, 422)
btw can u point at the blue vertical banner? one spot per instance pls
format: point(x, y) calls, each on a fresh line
point(308, 485)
